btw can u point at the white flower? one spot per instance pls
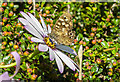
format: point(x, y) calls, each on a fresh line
point(41, 35)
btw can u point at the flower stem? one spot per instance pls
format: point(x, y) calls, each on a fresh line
point(7, 66)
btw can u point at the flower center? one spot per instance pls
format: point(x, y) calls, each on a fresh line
point(49, 42)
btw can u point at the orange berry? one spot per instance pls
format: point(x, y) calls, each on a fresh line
point(86, 47)
point(84, 43)
point(11, 4)
point(51, 21)
point(18, 25)
point(33, 77)
point(118, 61)
point(75, 40)
point(74, 20)
point(47, 12)
point(29, 38)
point(92, 34)
point(26, 53)
point(114, 63)
point(4, 19)
point(51, 25)
point(89, 67)
point(98, 61)
point(2, 63)
point(90, 54)
point(47, 20)
point(100, 40)
point(1, 9)
point(110, 73)
point(29, 70)
point(11, 14)
point(76, 74)
point(36, 5)
point(29, 1)
point(94, 29)
point(44, 15)
point(15, 46)
point(107, 19)
point(93, 41)
point(111, 69)
point(2, 47)
point(80, 42)
point(83, 75)
point(4, 43)
point(87, 64)
point(4, 4)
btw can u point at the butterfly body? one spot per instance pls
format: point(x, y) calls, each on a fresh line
point(62, 30)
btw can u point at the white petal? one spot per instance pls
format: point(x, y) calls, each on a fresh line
point(39, 27)
point(49, 29)
point(66, 60)
point(33, 39)
point(51, 54)
point(24, 21)
point(43, 47)
point(31, 21)
point(4, 77)
point(17, 58)
point(33, 31)
point(59, 64)
point(66, 49)
point(43, 24)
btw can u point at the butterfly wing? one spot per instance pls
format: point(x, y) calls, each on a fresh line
point(62, 30)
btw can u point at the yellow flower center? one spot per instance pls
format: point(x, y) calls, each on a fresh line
point(49, 42)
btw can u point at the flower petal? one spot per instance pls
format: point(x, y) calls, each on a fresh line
point(66, 60)
point(66, 49)
point(59, 64)
point(33, 39)
point(49, 29)
point(43, 47)
point(30, 20)
point(38, 27)
point(17, 58)
point(4, 76)
point(33, 31)
point(43, 24)
point(25, 22)
point(51, 54)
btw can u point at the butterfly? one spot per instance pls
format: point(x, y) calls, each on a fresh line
point(62, 31)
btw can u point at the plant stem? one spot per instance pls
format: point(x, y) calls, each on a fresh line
point(7, 66)
point(110, 49)
point(80, 59)
point(34, 6)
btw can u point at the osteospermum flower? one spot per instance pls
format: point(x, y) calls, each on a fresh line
point(41, 32)
point(5, 75)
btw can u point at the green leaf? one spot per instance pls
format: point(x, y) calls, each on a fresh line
point(14, 17)
point(39, 78)
point(79, 36)
point(113, 52)
point(104, 44)
point(18, 76)
point(23, 47)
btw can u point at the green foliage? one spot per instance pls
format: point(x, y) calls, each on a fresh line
point(97, 29)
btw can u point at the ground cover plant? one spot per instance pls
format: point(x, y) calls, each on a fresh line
point(96, 26)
